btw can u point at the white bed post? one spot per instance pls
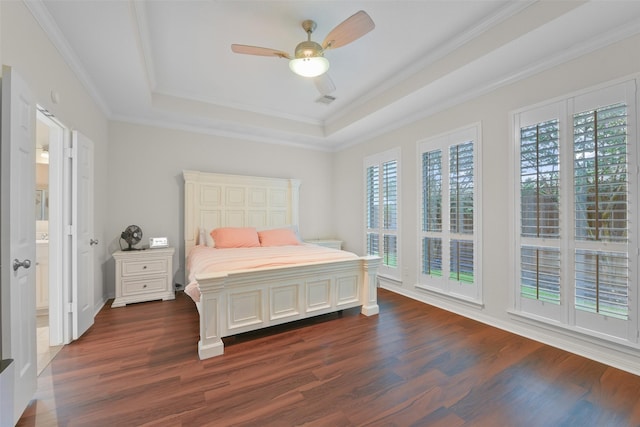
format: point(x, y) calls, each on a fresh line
point(210, 343)
point(370, 266)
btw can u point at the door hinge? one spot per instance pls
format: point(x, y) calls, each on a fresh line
point(70, 307)
point(69, 230)
point(68, 152)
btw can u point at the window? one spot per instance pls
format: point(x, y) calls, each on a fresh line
point(574, 262)
point(539, 175)
point(449, 213)
point(600, 210)
point(382, 210)
point(540, 211)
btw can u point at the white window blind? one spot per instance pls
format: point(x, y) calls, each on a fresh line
point(602, 283)
point(432, 212)
point(540, 273)
point(373, 210)
point(432, 256)
point(449, 208)
point(382, 209)
point(461, 200)
point(600, 174)
point(432, 191)
point(539, 177)
point(576, 202)
point(601, 194)
point(461, 188)
point(461, 260)
point(540, 211)
point(390, 212)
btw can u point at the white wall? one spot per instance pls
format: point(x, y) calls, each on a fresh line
point(492, 110)
point(26, 48)
point(146, 186)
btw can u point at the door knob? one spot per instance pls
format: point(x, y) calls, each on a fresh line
point(17, 264)
point(93, 242)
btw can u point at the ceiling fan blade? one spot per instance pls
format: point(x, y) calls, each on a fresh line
point(349, 30)
point(324, 84)
point(260, 51)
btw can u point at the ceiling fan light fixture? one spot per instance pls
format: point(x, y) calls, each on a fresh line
point(310, 66)
point(309, 61)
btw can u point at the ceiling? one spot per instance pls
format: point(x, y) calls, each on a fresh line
point(169, 63)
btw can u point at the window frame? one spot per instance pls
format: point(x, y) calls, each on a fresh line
point(378, 160)
point(442, 284)
point(566, 315)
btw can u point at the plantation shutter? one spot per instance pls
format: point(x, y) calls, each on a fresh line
point(539, 178)
point(540, 211)
point(432, 191)
point(390, 203)
point(432, 213)
point(461, 199)
point(577, 230)
point(373, 209)
point(461, 188)
point(450, 262)
point(382, 209)
point(601, 194)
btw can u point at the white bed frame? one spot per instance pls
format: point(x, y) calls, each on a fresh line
point(237, 302)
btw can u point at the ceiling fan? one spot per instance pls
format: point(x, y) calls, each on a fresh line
point(308, 59)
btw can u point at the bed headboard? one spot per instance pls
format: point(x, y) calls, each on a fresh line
point(214, 200)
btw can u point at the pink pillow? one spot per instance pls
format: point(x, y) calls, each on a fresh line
point(232, 237)
point(278, 237)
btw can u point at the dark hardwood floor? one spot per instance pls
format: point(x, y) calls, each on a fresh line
point(411, 365)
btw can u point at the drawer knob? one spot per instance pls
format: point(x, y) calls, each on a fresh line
point(144, 267)
point(144, 286)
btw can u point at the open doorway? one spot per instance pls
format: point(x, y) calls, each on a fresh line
point(49, 235)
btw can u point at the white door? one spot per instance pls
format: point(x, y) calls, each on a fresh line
point(17, 227)
point(83, 240)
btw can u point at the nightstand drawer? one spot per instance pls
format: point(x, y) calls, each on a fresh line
point(138, 267)
point(131, 287)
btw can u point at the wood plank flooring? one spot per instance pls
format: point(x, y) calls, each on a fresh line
point(412, 365)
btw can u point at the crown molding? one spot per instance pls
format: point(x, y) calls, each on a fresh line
point(51, 29)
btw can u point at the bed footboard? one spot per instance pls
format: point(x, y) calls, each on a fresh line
point(244, 301)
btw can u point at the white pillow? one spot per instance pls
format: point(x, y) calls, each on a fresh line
point(205, 239)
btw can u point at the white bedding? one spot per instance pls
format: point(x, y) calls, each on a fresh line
point(206, 260)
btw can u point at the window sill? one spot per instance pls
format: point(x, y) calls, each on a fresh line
point(590, 338)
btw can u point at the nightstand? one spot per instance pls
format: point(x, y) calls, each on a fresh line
point(329, 243)
point(144, 275)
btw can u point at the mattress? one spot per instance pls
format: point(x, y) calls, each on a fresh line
point(206, 260)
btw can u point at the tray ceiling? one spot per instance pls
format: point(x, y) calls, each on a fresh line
point(169, 63)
